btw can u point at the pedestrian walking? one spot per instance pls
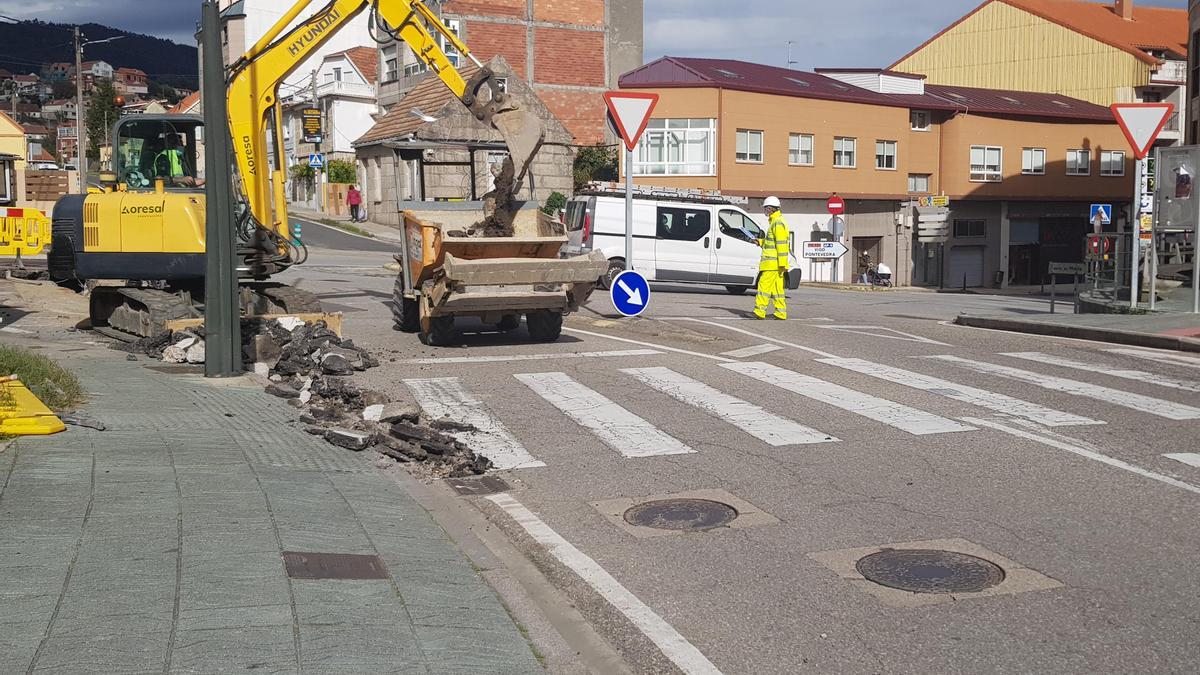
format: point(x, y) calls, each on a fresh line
point(354, 200)
point(774, 263)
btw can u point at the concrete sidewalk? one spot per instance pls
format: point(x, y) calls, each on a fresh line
point(1174, 330)
point(157, 545)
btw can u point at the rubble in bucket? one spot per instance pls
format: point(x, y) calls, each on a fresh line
point(311, 367)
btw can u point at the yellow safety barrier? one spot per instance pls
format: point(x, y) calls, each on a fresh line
point(23, 231)
point(22, 413)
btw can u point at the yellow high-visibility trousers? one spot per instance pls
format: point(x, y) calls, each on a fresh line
point(770, 289)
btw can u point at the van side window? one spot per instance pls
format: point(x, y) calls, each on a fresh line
point(735, 224)
point(683, 224)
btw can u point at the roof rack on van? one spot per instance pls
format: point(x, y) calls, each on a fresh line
point(609, 188)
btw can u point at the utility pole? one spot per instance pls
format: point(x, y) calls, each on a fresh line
point(790, 62)
point(80, 127)
point(320, 177)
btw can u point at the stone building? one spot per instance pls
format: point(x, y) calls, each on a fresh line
point(430, 148)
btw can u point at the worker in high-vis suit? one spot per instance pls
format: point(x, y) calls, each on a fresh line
point(774, 263)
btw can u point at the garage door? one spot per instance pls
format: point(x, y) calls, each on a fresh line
point(965, 261)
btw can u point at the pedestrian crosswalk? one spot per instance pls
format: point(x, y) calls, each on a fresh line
point(625, 409)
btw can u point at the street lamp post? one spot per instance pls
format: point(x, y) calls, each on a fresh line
point(80, 111)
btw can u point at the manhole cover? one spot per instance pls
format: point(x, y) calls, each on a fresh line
point(473, 487)
point(681, 514)
point(930, 571)
point(333, 566)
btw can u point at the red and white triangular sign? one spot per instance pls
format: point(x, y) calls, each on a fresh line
point(631, 111)
point(1142, 123)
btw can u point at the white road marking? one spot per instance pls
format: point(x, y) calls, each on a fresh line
point(1139, 375)
point(1189, 458)
point(535, 357)
point(646, 344)
point(620, 429)
point(902, 417)
point(762, 337)
point(900, 335)
point(1146, 404)
point(674, 646)
point(752, 419)
point(979, 397)
point(1079, 448)
point(446, 398)
point(1161, 357)
point(748, 352)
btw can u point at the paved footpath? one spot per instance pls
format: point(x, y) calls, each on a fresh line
point(156, 545)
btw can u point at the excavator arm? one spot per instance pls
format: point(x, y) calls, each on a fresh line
point(254, 110)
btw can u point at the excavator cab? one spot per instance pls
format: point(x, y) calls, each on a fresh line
point(150, 148)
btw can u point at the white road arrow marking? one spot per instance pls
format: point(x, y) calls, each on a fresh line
point(635, 297)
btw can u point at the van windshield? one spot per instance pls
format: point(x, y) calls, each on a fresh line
point(739, 226)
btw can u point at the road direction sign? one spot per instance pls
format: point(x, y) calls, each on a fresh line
point(1104, 211)
point(631, 112)
point(1142, 123)
point(1068, 268)
point(630, 293)
point(836, 205)
point(824, 250)
point(316, 161)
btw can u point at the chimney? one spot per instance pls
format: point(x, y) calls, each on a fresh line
point(1124, 9)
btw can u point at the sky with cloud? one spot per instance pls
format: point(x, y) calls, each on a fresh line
point(845, 33)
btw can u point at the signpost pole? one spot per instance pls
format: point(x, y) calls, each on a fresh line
point(628, 209)
point(1135, 249)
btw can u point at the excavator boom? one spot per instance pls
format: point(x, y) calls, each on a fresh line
point(254, 109)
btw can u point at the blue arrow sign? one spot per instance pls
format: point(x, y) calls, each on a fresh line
point(630, 293)
point(1105, 211)
point(316, 161)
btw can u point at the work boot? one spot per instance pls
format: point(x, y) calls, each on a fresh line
point(760, 315)
point(781, 317)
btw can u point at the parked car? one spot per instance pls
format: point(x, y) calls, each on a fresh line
point(45, 166)
point(682, 241)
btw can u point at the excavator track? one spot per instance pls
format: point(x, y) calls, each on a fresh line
point(282, 298)
point(142, 312)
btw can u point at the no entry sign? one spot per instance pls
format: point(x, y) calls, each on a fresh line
point(836, 205)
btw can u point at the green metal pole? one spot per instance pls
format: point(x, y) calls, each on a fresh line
point(222, 319)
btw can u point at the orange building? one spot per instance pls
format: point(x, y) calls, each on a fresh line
point(1021, 169)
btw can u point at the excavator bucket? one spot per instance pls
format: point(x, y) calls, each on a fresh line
point(523, 134)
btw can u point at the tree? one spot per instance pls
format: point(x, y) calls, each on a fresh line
point(63, 89)
point(341, 171)
point(102, 112)
point(554, 202)
point(596, 162)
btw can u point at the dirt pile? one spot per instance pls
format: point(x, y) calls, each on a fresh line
point(500, 205)
point(312, 368)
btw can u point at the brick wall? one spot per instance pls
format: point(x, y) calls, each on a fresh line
point(509, 40)
point(579, 12)
point(568, 56)
point(578, 111)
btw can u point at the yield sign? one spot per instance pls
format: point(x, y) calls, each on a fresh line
point(631, 112)
point(1142, 122)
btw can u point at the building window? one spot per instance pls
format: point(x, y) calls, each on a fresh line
point(1194, 87)
point(968, 229)
point(844, 150)
point(677, 147)
point(918, 182)
point(1112, 163)
point(749, 146)
point(1079, 163)
point(885, 155)
point(390, 62)
point(1033, 161)
point(800, 150)
point(411, 69)
point(337, 74)
point(451, 53)
point(987, 164)
point(918, 120)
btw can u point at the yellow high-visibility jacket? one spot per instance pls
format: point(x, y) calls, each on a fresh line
point(775, 245)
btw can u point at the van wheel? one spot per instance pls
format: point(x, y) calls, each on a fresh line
point(615, 267)
point(737, 290)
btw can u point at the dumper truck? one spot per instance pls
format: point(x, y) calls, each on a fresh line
point(447, 273)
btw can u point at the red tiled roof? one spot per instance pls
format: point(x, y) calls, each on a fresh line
point(365, 60)
point(669, 72)
point(35, 129)
point(1157, 28)
point(186, 104)
point(428, 96)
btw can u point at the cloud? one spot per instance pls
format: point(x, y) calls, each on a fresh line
point(170, 19)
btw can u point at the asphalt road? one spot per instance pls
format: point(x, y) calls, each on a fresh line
point(865, 422)
point(318, 235)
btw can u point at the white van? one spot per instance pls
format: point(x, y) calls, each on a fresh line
point(684, 241)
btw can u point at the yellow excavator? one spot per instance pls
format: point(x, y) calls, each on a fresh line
point(147, 226)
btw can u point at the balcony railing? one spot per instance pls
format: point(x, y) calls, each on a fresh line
point(1172, 123)
point(346, 89)
point(1174, 72)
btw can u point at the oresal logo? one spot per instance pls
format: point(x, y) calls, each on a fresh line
point(144, 210)
point(314, 31)
point(251, 160)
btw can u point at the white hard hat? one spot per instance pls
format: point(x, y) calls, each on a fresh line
point(771, 201)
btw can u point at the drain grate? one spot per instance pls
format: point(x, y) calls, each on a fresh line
point(681, 514)
point(930, 571)
point(474, 487)
point(333, 566)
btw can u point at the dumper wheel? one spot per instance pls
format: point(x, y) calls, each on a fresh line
point(441, 332)
point(509, 322)
point(544, 325)
point(406, 315)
